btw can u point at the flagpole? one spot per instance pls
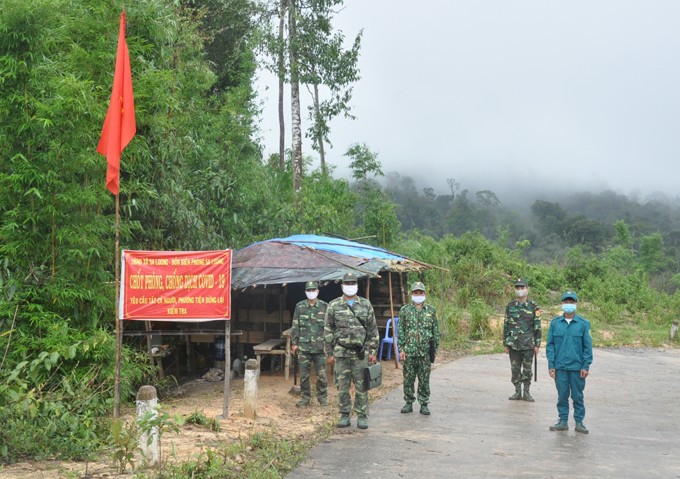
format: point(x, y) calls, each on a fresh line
point(119, 326)
point(119, 128)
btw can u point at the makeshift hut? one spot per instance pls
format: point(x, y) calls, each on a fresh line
point(268, 280)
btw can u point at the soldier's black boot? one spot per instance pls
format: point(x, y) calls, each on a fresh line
point(518, 393)
point(527, 395)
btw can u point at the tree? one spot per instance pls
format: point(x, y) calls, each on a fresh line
point(377, 215)
point(337, 71)
point(651, 253)
point(281, 74)
point(364, 161)
point(623, 236)
point(316, 57)
point(550, 216)
point(296, 120)
point(185, 178)
point(586, 232)
point(454, 186)
point(487, 199)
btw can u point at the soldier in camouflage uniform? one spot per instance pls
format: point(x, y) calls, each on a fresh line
point(418, 326)
point(351, 343)
point(522, 338)
point(307, 337)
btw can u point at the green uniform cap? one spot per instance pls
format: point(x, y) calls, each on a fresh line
point(311, 285)
point(349, 278)
point(570, 294)
point(418, 286)
point(521, 282)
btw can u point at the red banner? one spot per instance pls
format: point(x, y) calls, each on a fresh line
point(176, 285)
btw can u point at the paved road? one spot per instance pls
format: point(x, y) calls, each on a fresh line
point(632, 410)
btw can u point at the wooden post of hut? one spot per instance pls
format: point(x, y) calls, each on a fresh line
point(394, 330)
point(227, 368)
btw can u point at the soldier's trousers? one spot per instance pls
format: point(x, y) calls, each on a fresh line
point(347, 370)
point(417, 367)
point(570, 383)
point(520, 365)
point(305, 362)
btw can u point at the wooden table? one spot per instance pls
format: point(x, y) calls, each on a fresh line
point(270, 347)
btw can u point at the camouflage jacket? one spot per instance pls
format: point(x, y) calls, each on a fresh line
point(522, 326)
point(344, 333)
point(308, 326)
point(416, 328)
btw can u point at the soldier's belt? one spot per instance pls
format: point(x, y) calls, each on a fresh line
point(360, 350)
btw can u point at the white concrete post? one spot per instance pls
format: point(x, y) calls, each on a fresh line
point(147, 400)
point(250, 389)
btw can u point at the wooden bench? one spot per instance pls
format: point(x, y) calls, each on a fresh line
point(272, 347)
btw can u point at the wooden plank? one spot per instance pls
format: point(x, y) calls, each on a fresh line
point(269, 345)
point(178, 332)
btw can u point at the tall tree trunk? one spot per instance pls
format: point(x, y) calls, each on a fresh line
point(296, 122)
point(319, 133)
point(282, 75)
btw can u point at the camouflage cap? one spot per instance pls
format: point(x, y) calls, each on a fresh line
point(570, 295)
point(311, 285)
point(349, 278)
point(418, 286)
point(521, 282)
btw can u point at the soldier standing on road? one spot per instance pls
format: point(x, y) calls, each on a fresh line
point(351, 343)
point(418, 327)
point(307, 337)
point(522, 338)
point(569, 350)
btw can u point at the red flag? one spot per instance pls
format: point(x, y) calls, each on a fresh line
point(119, 125)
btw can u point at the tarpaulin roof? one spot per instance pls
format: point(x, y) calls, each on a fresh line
point(302, 258)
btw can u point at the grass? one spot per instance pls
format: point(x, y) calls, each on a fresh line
point(261, 456)
point(617, 335)
point(198, 418)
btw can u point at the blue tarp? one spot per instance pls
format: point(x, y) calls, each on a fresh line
point(340, 246)
point(302, 258)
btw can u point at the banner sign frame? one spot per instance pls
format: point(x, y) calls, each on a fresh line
point(183, 286)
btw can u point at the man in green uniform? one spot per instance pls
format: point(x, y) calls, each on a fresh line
point(351, 343)
point(522, 338)
point(418, 327)
point(307, 338)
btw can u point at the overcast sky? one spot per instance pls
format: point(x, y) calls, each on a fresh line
point(570, 95)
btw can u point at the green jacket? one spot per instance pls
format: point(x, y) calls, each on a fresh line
point(308, 324)
point(344, 333)
point(569, 345)
point(522, 326)
point(416, 329)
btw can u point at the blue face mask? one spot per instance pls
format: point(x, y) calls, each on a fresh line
point(569, 308)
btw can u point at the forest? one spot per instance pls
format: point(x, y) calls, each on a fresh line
point(195, 177)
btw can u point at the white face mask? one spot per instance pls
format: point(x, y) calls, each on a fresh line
point(350, 289)
point(521, 292)
point(312, 294)
point(418, 299)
